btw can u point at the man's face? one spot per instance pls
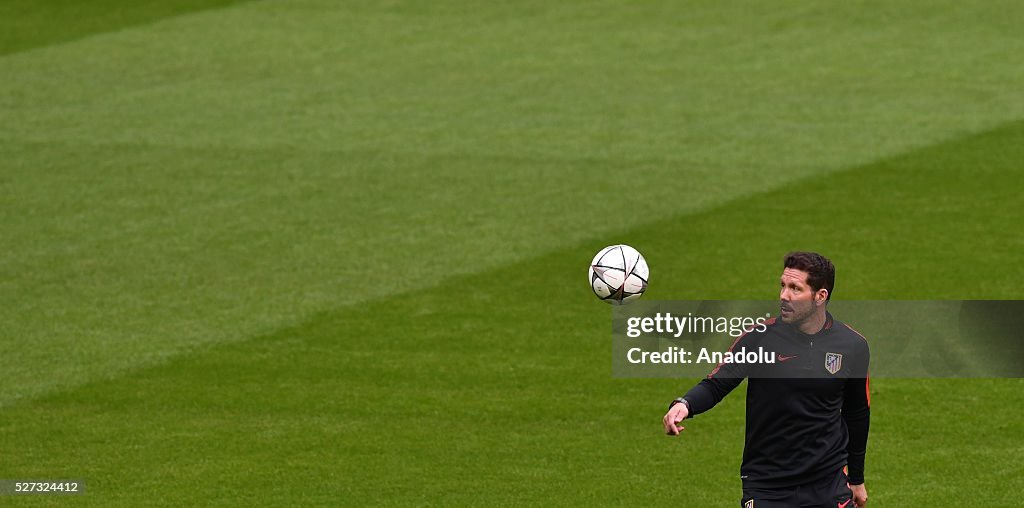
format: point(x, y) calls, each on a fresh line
point(796, 297)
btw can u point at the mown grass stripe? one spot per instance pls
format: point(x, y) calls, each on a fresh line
point(28, 24)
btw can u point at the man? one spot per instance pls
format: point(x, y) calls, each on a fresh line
point(807, 413)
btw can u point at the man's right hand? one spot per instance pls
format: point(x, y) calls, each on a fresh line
point(675, 415)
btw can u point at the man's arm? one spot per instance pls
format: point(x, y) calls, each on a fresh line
point(857, 414)
point(710, 391)
point(857, 411)
point(702, 397)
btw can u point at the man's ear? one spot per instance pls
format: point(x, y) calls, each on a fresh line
point(821, 296)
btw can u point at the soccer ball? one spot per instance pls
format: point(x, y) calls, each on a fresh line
point(618, 274)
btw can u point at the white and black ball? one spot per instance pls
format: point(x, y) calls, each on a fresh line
point(618, 274)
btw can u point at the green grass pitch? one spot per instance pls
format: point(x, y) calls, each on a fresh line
point(302, 252)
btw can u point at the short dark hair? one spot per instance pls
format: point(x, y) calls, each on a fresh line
point(820, 271)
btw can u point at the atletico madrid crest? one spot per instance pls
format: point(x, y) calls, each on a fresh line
point(749, 504)
point(833, 362)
